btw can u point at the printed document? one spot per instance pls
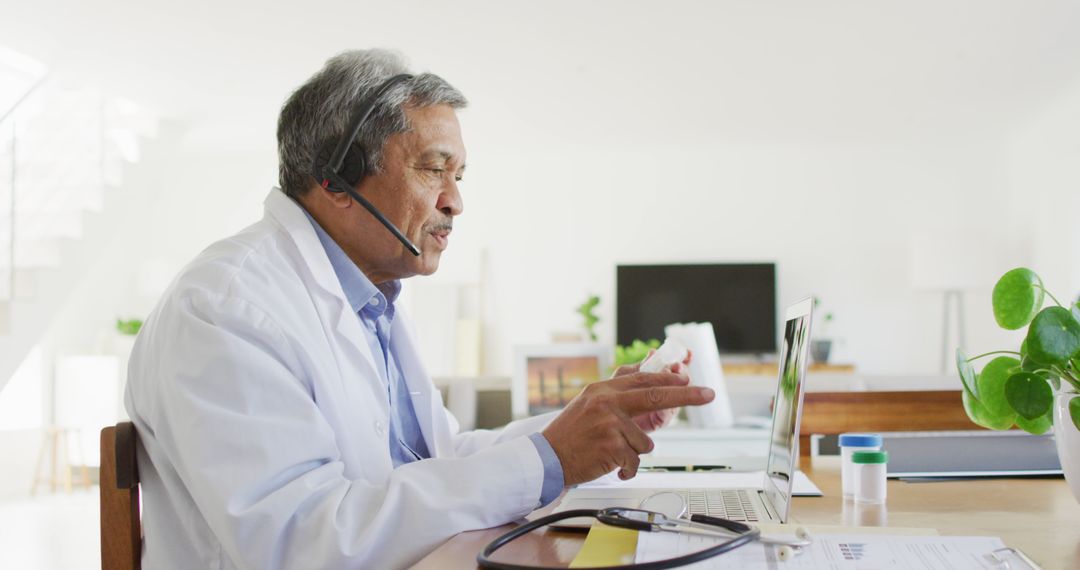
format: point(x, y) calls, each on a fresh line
point(834, 552)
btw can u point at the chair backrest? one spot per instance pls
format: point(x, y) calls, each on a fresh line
point(121, 528)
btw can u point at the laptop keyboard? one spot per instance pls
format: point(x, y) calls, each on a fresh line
point(731, 504)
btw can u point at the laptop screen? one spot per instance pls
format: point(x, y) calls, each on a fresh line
point(784, 442)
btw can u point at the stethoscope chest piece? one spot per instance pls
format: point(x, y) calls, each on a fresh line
point(668, 503)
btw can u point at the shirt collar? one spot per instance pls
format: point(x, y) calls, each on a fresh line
point(360, 292)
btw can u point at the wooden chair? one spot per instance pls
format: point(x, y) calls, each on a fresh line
point(121, 528)
point(833, 413)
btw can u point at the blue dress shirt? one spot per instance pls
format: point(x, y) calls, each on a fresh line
point(374, 305)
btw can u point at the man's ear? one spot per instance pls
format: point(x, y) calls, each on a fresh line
point(328, 198)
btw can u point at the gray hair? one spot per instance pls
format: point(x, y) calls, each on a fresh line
point(319, 111)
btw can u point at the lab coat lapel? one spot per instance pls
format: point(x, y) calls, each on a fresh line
point(333, 306)
point(430, 414)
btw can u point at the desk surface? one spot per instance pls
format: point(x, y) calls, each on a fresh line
point(1038, 516)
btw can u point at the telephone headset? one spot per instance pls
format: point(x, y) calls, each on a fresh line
point(340, 167)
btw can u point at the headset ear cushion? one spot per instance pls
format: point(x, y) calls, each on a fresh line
point(351, 168)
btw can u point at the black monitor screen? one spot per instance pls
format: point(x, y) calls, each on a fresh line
point(738, 299)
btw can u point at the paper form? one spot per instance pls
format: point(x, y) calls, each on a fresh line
point(834, 552)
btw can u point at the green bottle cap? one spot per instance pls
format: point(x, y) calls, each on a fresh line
point(870, 457)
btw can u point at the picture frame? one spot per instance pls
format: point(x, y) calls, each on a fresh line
point(546, 377)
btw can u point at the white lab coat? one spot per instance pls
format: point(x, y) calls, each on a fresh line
point(263, 422)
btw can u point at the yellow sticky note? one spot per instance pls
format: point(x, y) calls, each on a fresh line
point(607, 546)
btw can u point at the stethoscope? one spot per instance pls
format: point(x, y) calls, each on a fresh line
point(673, 506)
point(736, 534)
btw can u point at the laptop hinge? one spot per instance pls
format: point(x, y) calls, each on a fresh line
point(768, 506)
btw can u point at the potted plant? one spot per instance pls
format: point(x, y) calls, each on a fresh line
point(586, 310)
point(1035, 387)
point(634, 352)
point(128, 327)
point(821, 347)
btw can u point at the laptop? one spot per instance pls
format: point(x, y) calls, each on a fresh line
point(772, 502)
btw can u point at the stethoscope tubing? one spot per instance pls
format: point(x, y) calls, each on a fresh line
point(483, 559)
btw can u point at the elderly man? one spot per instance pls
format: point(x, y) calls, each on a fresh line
point(284, 416)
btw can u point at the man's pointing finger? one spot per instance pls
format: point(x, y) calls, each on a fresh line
point(639, 380)
point(635, 402)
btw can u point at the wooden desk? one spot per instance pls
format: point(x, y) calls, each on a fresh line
point(1038, 516)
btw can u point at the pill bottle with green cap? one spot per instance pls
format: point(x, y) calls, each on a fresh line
point(870, 476)
point(850, 443)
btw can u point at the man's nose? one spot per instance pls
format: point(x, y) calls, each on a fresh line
point(450, 202)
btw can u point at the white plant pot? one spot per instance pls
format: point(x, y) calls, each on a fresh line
point(1068, 441)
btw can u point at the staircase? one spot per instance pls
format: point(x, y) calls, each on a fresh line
point(63, 147)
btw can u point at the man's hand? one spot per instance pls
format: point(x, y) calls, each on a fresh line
point(598, 431)
point(652, 421)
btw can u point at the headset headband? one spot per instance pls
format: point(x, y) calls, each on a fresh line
point(361, 117)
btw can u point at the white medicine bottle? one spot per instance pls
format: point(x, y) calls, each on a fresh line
point(849, 444)
point(669, 353)
point(870, 476)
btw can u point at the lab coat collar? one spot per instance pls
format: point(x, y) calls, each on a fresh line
point(290, 216)
point(426, 401)
point(358, 288)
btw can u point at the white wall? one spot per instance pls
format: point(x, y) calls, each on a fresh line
point(1045, 185)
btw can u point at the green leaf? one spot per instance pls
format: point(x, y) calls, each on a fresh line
point(967, 373)
point(1029, 395)
point(991, 384)
point(1023, 348)
point(1037, 426)
point(1054, 336)
point(1029, 365)
point(635, 352)
point(1016, 298)
point(1074, 411)
point(981, 416)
